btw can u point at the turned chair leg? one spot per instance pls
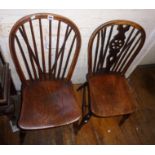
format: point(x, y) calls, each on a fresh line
point(85, 120)
point(86, 110)
point(123, 119)
point(82, 86)
point(22, 135)
point(79, 124)
point(76, 127)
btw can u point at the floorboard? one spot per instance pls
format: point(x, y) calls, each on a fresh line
point(138, 129)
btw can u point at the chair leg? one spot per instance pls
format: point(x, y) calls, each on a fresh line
point(123, 119)
point(86, 110)
point(22, 135)
point(84, 103)
point(76, 127)
point(82, 86)
point(85, 117)
point(85, 120)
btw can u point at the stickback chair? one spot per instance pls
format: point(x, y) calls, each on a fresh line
point(45, 49)
point(112, 48)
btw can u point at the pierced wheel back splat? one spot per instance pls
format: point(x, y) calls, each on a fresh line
point(114, 45)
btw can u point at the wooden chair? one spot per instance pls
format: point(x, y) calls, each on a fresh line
point(45, 49)
point(112, 48)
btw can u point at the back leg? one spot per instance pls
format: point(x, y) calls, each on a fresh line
point(123, 119)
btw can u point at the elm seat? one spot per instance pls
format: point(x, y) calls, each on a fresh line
point(52, 104)
point(110, 95)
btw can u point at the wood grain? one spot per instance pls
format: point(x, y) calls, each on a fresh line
point(110, 95)
point(139, 129)
point(48, 104)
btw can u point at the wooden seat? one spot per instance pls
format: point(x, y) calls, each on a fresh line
point(54, 105)
point(45, 49)
point(110, 95)
point(112, 48)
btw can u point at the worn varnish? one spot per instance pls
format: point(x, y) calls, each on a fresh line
point(139, 129)
point(110, 95)
point(55, 107)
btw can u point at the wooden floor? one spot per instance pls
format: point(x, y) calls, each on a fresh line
point(138, 129)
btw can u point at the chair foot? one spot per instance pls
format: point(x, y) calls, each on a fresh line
point(22, 135)
point(123, 119)
point(85, 120)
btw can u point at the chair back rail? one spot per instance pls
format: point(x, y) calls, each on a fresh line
point(44, 46)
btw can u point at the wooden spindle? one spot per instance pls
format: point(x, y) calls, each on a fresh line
point(35, 47)
point(57, 48)
point(50, 46)
point(100, 61)
point(126, 49)
point(96, 51)
point(24, 35)
point(42, 46)
point(69, 53)
point(24, 58)
point(62, 53)
point(107, 45)
point(127, 57)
